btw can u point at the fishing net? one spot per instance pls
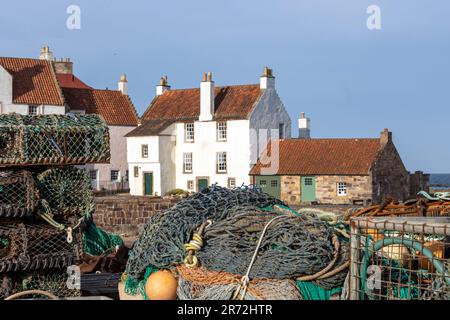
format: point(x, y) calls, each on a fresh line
point(262, 290)
point(67, 190)
point(293, 246)
point(161, 244)
point(97, 242)
point(53, 282)
point(53, 139)
point(18, 194)
point(29, 247)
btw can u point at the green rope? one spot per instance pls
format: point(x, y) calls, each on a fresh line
point(97, 242)
point(312, 291)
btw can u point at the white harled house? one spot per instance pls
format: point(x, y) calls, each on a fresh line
point(192, 138)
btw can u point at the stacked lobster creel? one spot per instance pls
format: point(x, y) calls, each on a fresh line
point(236, 244)
point(44, 199)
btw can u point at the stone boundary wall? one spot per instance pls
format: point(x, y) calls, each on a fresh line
point(126, 215)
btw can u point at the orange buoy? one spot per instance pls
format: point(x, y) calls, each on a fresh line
point(161, 285)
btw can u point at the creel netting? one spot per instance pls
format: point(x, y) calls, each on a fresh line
point(29, 247)
point(53, 139)
point(68, 191)
point(19, 196)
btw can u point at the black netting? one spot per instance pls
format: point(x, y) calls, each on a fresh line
point(26, 247)
point(45, 140)
point(18, 194)
point(67, 190)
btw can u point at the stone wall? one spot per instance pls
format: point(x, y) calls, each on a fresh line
point(390, 177)
point(359, 189)
point(126, 215)
point(291, 189)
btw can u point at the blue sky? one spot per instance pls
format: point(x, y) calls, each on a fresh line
point(351, 81)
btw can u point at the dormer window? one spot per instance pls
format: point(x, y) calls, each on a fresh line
point(32, 110)
point(189, 133)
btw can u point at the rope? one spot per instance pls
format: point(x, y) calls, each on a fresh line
point(32, 292)
point(195, 245)
point(246, 279)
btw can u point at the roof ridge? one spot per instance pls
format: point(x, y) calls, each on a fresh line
point(217, 87)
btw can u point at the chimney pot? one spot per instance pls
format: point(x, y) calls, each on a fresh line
point(163, 86)
point(304, 125)
point(386, 137)
point(267, 79)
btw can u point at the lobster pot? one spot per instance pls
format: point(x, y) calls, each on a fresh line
point(59, 283)
point(67, 190)
point(25, 247)
point(18, 194)
point(53, 140)
point(400, 258)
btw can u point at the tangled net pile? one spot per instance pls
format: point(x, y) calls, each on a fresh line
point(289, 248)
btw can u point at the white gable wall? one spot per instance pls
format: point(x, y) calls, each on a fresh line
point(6, 99)
point(269, 113)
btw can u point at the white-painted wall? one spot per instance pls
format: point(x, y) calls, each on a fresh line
point(268, 114)
point(204, 151)
point(150, 164)
point(6, 99)
point(118, 161)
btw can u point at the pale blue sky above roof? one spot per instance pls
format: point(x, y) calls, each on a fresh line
point(351, 81)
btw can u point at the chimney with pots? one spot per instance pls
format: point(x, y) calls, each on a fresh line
point(163, 86)
point(207, 96)
point(386, 137)
point(123, 85)
point(63, 66)
point(46, 54)
point(267, 79)
point(304, 125)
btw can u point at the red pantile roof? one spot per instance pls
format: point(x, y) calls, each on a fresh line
point(71, 81)
point(34, 81)
point(324, 156)
point(116, 108)
point(231, 102)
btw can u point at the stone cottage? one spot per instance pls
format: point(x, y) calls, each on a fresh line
point(335, 171)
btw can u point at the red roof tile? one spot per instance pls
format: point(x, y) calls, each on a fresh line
point(324, 156)
point(71, 81)
point(232, 102)
point(34, 81)
point(116, 108)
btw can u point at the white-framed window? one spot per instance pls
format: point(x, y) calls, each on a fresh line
point(263, 183)
point(115, 175)
point(93, 174)
point(222, 131)
point(274, 184)
point(187, 163)
point(221, 162)
point(32, 110)
point(136, 171)
point(342, 189)
point(189, 132)
point(231, 183)
point(190, 185)
point(144, 151)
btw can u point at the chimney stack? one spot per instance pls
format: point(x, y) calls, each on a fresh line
point(64, 66)
point(163, 86)
point(46, 54)
point(207, 96)
point(123, 85)
point(386, 137)
point(304, 125)
point(267, 79)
